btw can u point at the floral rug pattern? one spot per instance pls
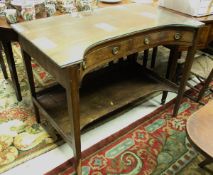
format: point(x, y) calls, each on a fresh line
point(157, 146)
point(21, 138)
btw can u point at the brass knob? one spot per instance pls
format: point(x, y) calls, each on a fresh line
point(84, 65)
point(115, 50)
point(146, 41)
point(177, 36)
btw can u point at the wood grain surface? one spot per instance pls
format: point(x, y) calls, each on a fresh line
point(200, 128)
point(65, 39)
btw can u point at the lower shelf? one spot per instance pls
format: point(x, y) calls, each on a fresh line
point(102, 94)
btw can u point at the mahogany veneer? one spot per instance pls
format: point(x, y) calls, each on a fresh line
point(78, 51)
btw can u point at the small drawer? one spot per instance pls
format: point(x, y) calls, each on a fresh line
point(108, 52)
point(163, 37)
point(116, 49)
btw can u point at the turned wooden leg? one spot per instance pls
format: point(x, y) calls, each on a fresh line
point(154, 55)
point(205, 86)
point(11, 63)
point(3, 67)
point(72, 92)
point(171, 68)
point(145, 57)
point(205, 162)
point(29, 72)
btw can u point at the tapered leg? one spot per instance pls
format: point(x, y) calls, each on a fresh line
point(205, 86)
point(171, 68)
point(145, 57)
point(11, 63)
point(29, 72)
point(3, 67)
point(154, 55)
point(185, 75)
point(72, 91)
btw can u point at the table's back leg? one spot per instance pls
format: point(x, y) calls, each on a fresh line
point(154, 55)
point(145, 57)
point(171, 68)
point(73, 102)
point(11, 63)
point(205, 86)
point(29, 72)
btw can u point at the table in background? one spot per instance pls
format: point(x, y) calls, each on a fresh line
point(7, 36)
point(205, 39)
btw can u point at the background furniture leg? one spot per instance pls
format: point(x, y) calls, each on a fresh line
point(72, 92)
point(205, 162)
point(11, 63)
point(171, 68)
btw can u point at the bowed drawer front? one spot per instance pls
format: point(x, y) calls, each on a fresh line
point(107, 52)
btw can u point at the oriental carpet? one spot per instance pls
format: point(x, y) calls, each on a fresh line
point(156, 144)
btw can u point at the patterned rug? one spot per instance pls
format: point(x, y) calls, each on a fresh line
point(21, 138)
point(156, 144)
point(164, 146)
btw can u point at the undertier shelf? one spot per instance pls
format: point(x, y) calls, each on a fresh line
point(101, 93)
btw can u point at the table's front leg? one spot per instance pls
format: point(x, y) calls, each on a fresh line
point(73, 102)
point(29, 72)
point(186, 71)
point(184, 79)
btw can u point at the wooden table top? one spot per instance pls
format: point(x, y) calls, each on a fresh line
point(200, 128)
point(65, 39)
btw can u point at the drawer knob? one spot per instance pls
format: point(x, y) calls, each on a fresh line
point(84, 65)
point(146, 41)
point(115, 50)
point(177, 36)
